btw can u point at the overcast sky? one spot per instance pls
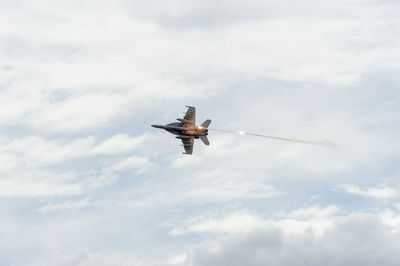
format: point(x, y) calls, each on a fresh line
point(85, 180)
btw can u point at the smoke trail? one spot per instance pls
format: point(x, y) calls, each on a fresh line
point(323, 143)
point(221, 130)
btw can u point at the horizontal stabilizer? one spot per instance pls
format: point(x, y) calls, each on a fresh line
point(206, 123)
point(205, 140)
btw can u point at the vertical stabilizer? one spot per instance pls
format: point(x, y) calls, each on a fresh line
point(206, 123)
point(205, 140)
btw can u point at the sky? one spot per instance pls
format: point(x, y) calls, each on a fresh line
point(85, 180)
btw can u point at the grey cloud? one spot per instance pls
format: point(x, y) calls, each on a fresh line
point(359, 239)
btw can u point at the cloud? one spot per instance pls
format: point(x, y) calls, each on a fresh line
point(210, 186)
point(84, 257)
point(79, 73)
point(132, 162)
point(391, 218)
point(36, 150)
point(44, 186)
point(358, 239)
point(177, 259)
point(37, 167)
point(315, 219)
point(380, 192)
point(236, 222)
point(77, 113)
point(118, 144)
point(196, 14)
point(81, 81)
point(69, 204)
point(314, 211)
point(8, 161)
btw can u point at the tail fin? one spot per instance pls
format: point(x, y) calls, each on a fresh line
point(205, 140)
point(206, 123)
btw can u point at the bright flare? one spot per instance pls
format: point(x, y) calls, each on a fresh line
point(242, 133)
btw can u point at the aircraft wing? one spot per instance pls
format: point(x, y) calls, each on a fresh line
point(188, 145)
point(190, 115)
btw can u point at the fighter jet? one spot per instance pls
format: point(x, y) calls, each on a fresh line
point(187, 131)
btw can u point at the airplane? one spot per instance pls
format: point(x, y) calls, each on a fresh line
point(187, 131)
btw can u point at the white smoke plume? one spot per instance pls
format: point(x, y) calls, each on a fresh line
point(310, 142)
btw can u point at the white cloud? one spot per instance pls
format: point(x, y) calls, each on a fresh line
point(380, 192)
point(314, 211)
point(117, 144)
point(132, 162)
point(93, 53)
point(220, 185)
point(36, 150)
point(72, 71)
point(210, 186)
point(299, 221)
point(82, 111)
point(391, 218)
point(177, 259)
point(34, 167)
point(238, 221)
point(186, 161)
point(7, 161)
point(69, 204)
point(42, 187)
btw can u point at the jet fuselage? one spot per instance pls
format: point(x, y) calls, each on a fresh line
point(181, 129)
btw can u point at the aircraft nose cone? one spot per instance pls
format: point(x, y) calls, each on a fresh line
point(157, 126)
